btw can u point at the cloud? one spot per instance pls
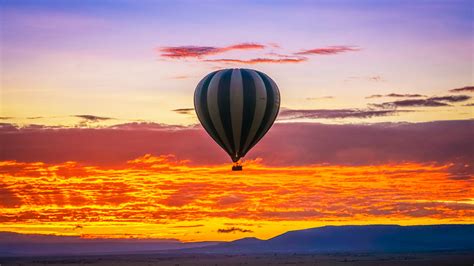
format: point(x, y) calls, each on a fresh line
point(469, 104)
point(245, 46)
point(231, 199)
point(319, 98)
point(410, 103)
point(274, 45)
point(189, 226)
point(184, 111)
point(463, 89)
point(149, 126)
point(6, 117)
point(330, 50)
point(88, 120)
point(233, 230)
point(164, 197)
point(200, 51)
point(78, 227)
point(273, 54)
point(188, 51)
point(395, 95)
point(285, 143)
point(461, 171)
point(451, 98)
point(376, 78)
point(374, 96)
point(428, 102)
point(180, 77)
point(8, 197)
point(333, 113)
point(93, 118)
point(259, 60)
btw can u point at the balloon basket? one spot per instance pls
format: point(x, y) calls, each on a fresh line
point(237, 166)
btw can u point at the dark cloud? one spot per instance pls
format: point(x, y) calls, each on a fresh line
point(374, 96)
point(395, 95)
point(200, 51)
point(150, 126)
point(451, 98)
point(184, 111)
point(6, 117)
point(463, 89)
point(233, 230)
point(330, 50)
point(410, 103)
point(428, 102)
point(93, 118)
point(333, 113)
point(469, 104)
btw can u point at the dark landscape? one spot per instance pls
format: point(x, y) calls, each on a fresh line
point(174, 259)
point(329, 245)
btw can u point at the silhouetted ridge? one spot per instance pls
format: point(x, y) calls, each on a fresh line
point(372, 238)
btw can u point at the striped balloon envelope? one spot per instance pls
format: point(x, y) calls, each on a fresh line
point(237, 107)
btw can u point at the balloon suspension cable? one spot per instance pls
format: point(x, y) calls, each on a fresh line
point(237, 166)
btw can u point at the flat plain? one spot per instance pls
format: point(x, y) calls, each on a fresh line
point(181, 259)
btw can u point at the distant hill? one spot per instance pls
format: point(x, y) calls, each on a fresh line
point(13, 244)
point(367, 238)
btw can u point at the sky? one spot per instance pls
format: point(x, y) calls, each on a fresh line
point(99, 135)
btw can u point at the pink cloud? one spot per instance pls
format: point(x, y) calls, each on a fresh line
point(200, 51)
point(330, 50)
point(260, 60)
point(192, 51)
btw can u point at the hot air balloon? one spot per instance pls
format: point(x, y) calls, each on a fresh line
point(237, 107)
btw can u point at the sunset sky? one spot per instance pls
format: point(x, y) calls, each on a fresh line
point(99, 137)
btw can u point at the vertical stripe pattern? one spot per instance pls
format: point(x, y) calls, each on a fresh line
point(237, 107)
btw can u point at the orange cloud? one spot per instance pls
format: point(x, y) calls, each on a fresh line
point(165, 197)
